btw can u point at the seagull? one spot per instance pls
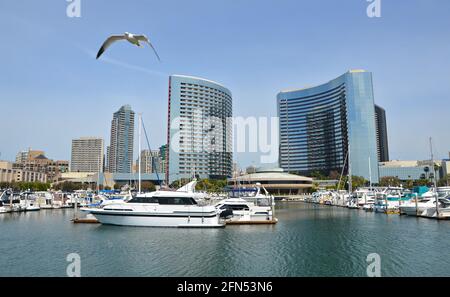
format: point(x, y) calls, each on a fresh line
point(133, 39)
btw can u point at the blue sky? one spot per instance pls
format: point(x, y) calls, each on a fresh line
point(52, 89)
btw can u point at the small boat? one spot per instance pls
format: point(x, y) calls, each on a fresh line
point(365, 198)
point(390, 199)
point(249, 205)
point(3, 209)
point(424, 206)
point(44, 200)
point(28, 202)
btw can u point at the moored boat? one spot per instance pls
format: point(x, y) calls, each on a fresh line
point(249, 205)
point(160, 209)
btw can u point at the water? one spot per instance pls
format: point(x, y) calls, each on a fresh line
point(309, 240)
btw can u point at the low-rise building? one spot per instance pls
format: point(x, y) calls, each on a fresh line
point(276, 181)
point(36, 161)
point(412, 170)
point(9, 174)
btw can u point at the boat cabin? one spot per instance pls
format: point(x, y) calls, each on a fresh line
point(164, 200)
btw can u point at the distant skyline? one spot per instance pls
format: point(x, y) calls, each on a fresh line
point(53, 90)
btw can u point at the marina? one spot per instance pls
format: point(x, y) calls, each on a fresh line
point(433, 203)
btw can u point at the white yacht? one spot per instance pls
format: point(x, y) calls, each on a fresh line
point(249, 205)
point(44, 199)
point(423, 206)
point(28, 203)
point(160, 209)
point(365, 198)
point(3, 209)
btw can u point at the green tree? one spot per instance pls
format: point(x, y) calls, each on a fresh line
point(211, 185)
point(445, 181)
point(318, 175)
point(358, 181)
point(386, 181)
point(421, 182)
point(147, 186)
point(408, 184)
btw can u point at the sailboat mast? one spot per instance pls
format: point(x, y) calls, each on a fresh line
point(139, 153)
point(350, 190)
point(98, 175)
point(434, 178)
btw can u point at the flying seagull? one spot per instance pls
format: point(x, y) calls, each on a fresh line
point(134, 39)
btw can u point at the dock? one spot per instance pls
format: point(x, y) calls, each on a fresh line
point(86, 220)
point(268, 222)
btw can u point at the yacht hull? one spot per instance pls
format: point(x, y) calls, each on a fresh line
point(245, 216)
point(157, 220)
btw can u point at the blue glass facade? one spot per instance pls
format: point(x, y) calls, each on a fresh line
point(320, 125)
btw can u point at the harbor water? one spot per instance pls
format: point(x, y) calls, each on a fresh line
point(309, 240)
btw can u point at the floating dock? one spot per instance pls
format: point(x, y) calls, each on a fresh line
point(268, 222)
point(86, 220)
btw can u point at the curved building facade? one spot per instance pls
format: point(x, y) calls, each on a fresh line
point(276, 181)
point(199, 133)
point(328, 127)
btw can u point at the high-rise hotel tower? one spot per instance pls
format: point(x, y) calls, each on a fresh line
point(199, 132)
point(120, 151)
point(331, 126)
point(87, 154)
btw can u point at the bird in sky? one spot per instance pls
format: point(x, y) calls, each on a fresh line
point(132, 38)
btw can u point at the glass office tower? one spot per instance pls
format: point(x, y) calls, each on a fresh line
point(382, 136)
point(328, 127)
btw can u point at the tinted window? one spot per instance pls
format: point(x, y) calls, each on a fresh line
point(176, 201)
point(238, 207)
point(165, 200)
point(143, 200)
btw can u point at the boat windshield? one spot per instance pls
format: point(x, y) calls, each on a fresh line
point(241, 193)
point(164, 200)
point(235, 206)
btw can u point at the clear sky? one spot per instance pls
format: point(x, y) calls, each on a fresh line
point(52, 89)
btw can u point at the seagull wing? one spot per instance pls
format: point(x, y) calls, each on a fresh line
point(108, 42)
point(145, 39)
